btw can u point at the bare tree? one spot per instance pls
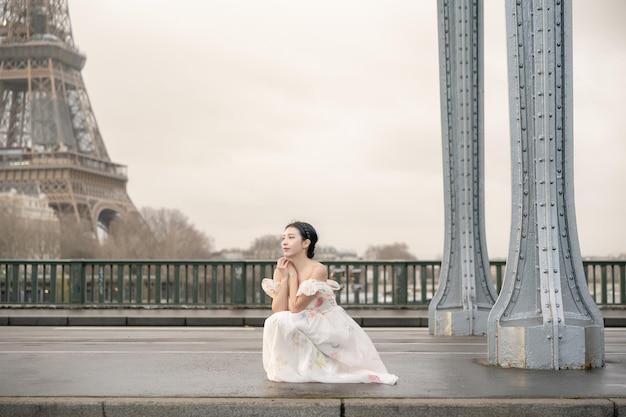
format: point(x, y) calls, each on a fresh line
point(266, 247)
point(44, 239)
point(395, 251)
point(129, 237)
point(77, 239)
point(26, 238)
point(160, 234)
point(12, 226)
point(175, 237)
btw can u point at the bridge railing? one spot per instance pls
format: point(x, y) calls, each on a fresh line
point(386, 284)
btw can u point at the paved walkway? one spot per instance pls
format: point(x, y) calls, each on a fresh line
point(193, 370)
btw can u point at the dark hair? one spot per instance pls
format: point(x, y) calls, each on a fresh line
point(307, 232)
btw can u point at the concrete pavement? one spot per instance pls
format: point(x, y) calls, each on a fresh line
point(211, 371)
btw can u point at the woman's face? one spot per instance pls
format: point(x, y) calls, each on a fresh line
point(292, 242)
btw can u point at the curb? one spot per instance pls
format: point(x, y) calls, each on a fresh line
point(279, 407)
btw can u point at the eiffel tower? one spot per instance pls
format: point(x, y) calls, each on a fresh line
point(49, 139)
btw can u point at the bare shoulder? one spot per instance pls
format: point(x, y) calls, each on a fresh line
point(320, 273)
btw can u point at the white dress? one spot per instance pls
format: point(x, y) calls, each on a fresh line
point(320, 344)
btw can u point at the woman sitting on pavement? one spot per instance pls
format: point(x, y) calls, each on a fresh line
point(309, 338)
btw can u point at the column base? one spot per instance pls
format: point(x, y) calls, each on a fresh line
point(458, 322)
point(530, 344)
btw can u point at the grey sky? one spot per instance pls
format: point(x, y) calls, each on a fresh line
point(247, 114)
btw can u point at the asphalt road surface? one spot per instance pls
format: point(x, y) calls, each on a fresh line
point(204, 362)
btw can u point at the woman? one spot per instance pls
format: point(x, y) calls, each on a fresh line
point(309, 338)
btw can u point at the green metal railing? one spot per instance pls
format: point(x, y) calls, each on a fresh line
point(390, 284)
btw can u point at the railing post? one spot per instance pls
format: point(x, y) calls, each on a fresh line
point(138, 271)
point(157, 283)
point(622, 283)
point(400, 273)
point(34, 297)
point(15, 272)
point(196, 286)
point(424, 283)
point(375, 283)
point(120, 283)
point(238, 272)
point(214, 287)
point(177, 284)
point(603, 283)
point(53, 283)
point(101, 284)
point(77, 282)
point(356, 285)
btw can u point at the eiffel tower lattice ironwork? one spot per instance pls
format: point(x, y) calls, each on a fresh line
point(49, 138)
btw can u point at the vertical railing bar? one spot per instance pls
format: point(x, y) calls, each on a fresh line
point(111, 285)
point(101, 284)
point(593, 284)
point(157, 284)
point(176, 284)
point(168, 284)
point(53, 283)
point(139, 282)
point(622, 284)
point(603, 284)
point(21, 267)
point(225, 283)
point(612, 273)
point(120, 283)
point(5, 281)
point(148, 266)
point(90, 295)
point(214, 284)
point(413, 275)
point(375, 283)
point(424, 282)
point(393, 285)
point(196, 287)
point(44, 276)
point(34, 269)
point(63, 283)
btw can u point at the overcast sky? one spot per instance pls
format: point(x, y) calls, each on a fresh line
point(247, 114)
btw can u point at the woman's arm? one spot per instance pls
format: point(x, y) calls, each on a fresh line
point(282, 273)
point(299, 303)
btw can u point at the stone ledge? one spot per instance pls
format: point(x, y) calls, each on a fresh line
point(323, 407)
point(174, 407)
point(480, 407)
point(155, 321)
point(96, 321)
point(215, 321)
point(37, 320)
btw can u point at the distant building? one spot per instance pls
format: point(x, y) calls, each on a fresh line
point(228, 255)
point(31, 228)
point(29, 206)
point(329, 253)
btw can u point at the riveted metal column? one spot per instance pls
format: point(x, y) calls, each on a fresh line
point(466, 292)
point(544, 317)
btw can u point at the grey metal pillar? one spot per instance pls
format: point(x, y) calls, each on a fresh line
point(466, 292)
point(544, 317)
